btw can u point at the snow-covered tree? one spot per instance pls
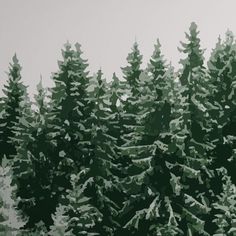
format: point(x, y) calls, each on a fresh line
point(11, 219)
point(15, 93)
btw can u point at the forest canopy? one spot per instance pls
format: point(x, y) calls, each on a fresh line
point(151, 153)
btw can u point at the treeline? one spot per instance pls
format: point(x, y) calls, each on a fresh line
point(151, 154)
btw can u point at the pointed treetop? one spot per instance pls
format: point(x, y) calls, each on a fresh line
point(156, 63)
point(67, 45)
point(132, 70)
point(157, 49)
point(15, 64)
point(157, 44)
point(15, 59)
point(193, 39)
point(134, 55)
point(40, 84)
point(99, 76)
point(135, 46)
point(193, 28)
point(114, 78)
point(229, 37)
point(67, 51)
point(194, 54)
point(78, 48)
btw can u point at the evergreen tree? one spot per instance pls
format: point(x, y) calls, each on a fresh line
point(58, 143)
point(11, 219)
point(130, 97)
point(156, 66)
point(60, 223)
point(148, 209)
point(70, 111)
point(225, 208)
point(14, 92)
point(41, 104)
point(195, 129)
point(194, 54)
point(169, 150)
point(133, 70)
point(117, 124)
point(221, 68)
point(91, 205)
point(32, 167)
point(151, 117)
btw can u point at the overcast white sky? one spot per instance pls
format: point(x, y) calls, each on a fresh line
point(36, 31)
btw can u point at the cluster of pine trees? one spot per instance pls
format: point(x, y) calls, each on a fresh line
point(151, 154)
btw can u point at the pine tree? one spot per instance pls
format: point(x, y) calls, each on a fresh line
point(117, 124)
point(221, 68)
point(76, 216)
point(60, 222)
point(148, 210)
point(40, 100)
point(105, 191)
point(170, 150)
point(194, 53)
point(151, 118)
point(11, 219)
point(225, 208)
point(32, 167)
point(14, 92)
point(156, 66)
point(70, 111)
point(130, 97)
point(195, 129)
point(59, 140)
point(91, 205)
point(133, 70)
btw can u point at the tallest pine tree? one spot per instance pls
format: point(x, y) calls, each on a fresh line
point(194, 129)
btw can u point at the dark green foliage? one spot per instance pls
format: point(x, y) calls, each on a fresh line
point(11, 113)
point(156, 65)
point(132, 71)
point(55, 150)
point(90, 205)
point(32, 167)
point(222, 70)
point(194, 54)
point(70, 108)
point(152, 154)
point(225, 218)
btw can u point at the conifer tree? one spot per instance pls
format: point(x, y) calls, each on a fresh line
point(225, 209)
point(14, 92)
point(133, 70)
point(59, 141)
point(91, 203)
point(174, 156)
point(60, 223)
point(156, 66)
point(221, 68)
point(32, 167)
point(194, 131)
point(11, 219)
point(130, 87)
point(117, 124)
point(148, 210)
point(70, 111)
point(152, 118)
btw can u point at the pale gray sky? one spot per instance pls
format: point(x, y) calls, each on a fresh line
point(37, 29)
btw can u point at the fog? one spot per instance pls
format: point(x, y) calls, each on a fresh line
point(106, 29)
